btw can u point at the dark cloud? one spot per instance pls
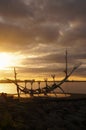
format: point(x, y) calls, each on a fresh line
point(67, 10)
point(74, 36)
point(23, 37)
point(47, 33)
point(42, 21)
point(14, 9)
point(48, 59)
point(80, 72)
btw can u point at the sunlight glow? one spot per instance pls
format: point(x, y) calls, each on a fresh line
point(8, 60)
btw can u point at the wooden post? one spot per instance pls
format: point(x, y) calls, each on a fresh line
point(39, 84)
point(53, 76)
point(25, 84)
point(46, 82)
point(15, 76)
point(39, 89)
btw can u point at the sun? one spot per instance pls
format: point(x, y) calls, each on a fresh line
point(8, 60)
point(5, 60)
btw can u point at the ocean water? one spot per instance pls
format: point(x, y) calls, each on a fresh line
point(69, 87)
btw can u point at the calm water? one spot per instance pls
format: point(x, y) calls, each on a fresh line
point(69, 87)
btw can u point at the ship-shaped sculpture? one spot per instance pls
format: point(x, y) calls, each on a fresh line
point(47, 89)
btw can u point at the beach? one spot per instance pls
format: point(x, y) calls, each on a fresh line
point(43, 113)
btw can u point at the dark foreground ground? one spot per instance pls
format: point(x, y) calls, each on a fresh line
point(43, 113)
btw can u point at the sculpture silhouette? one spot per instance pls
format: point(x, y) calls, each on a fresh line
point(47, 89)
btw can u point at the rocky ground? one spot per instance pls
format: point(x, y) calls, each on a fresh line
point(43, 114)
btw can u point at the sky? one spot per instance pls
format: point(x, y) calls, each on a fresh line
point(34, 35)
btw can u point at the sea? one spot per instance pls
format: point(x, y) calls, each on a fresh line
point(68, 87)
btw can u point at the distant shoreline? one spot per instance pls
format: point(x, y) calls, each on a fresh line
point(4, 81)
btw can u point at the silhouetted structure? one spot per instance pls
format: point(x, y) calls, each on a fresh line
point(47, 89)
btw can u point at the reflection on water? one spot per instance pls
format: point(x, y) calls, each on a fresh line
point(69, 87)
point(42, 95)
point(7, 88)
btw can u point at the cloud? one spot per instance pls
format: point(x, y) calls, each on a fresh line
point(14, 9)
point(45, 21)
point(66, 10)
point(44, 28)
point(74, 35)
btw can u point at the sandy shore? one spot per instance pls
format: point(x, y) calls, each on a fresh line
point(43, 113)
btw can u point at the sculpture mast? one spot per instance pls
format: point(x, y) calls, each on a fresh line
point(66, 59)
